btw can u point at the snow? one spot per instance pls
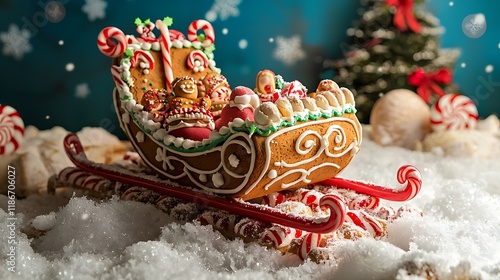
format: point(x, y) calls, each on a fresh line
point(16, 42)
point(457, 236)
point(289, 50)
point(82, 90)
point(223, 9)
point(95, 9)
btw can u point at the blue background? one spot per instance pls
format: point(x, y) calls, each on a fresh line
point(43, 91)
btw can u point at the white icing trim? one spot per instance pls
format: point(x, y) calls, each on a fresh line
point(305, 173)
point(218, 180)
point(140, 136)
point(234, 161)
point(248, 145)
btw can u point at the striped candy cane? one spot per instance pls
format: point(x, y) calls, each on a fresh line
point(274, 199)
point(218, 220)
point(250, 228)
point(310, 197)
point(109, 47)
point(337, 209)
point(310, 242)
point(165, 51)
point(364, 201)
point(144, 56)
point(72, 176)
point(197, 61)
point(413, 178)
point(176, 35)
point(280, 236)
point(97, 183)
point(207, 28)
point(117, 77)
point(366, 222)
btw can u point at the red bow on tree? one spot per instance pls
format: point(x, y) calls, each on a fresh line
point(404, 18)
point(427, 83)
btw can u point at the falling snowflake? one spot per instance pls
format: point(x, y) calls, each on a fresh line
point(95, 9)
point(288, 50)
point(223, 9)
point(16, 42)
point(82, 90)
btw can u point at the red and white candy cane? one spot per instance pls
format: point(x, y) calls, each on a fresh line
point(310, 242)
point(132, 193)
point(165, 51)
point(280, 236)
point(72, 176)
point(117, 77)
point(411, 176)
point(76, 177)
point(96, 183)
point(363, 201)
point(197, 61)
point(218, 220)
point(337, 209)
point(207, 28)
point(109, 47)
point(176, 35)
point(453, 112)
point(11, 130)
point(144, 56)
point(274, 199)
point(383, 212)
point(366, 222)
point(310, 197)
point(251, 228)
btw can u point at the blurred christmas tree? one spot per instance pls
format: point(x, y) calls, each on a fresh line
point(393, 46)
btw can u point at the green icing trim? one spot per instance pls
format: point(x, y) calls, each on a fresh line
point(253, 129)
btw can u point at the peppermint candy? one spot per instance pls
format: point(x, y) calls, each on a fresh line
point(109, 47)
point(280, 236)
point(453, 112)
point(11, 130)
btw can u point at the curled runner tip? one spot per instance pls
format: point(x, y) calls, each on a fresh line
point(406, 174)
point(410, 175)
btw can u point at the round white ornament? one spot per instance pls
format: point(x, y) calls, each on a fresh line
point(400, 118)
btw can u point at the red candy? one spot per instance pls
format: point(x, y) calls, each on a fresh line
point(453, 112)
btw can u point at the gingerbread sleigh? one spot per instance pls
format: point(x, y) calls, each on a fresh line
point(234, 149)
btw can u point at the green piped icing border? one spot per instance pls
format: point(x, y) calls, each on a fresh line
point(253, 129)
